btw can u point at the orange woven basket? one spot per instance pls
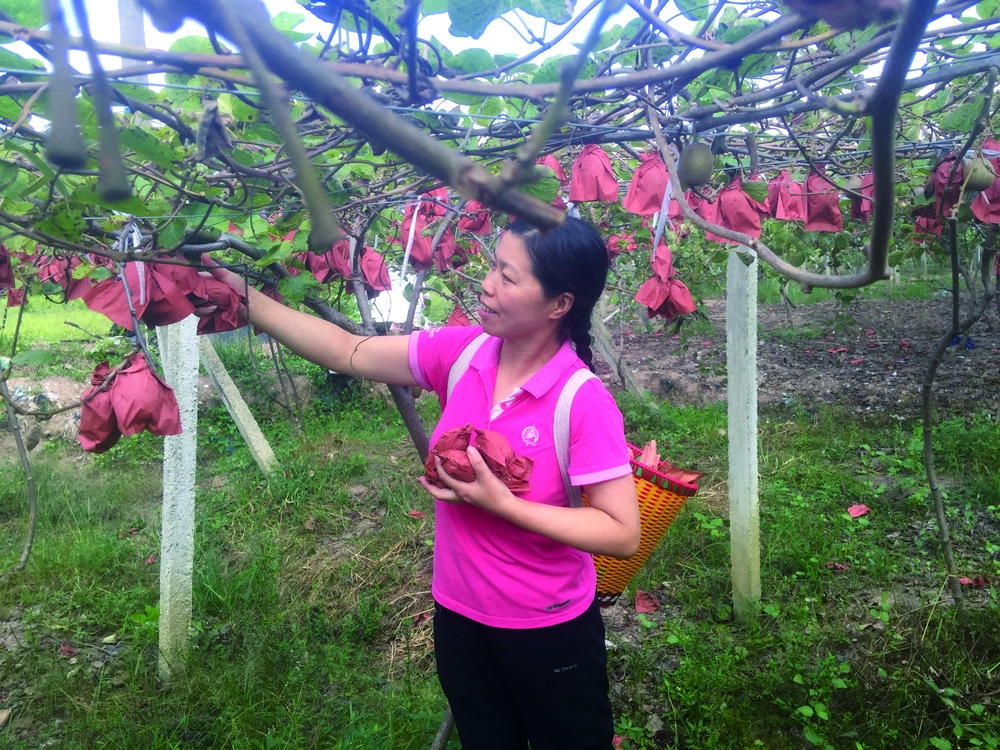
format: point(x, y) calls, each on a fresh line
point(660, 500)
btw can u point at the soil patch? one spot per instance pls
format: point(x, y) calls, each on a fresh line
point(871, 357)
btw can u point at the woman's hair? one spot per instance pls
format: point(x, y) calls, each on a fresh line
point(572, 258)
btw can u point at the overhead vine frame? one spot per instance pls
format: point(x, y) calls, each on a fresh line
point(850, 100)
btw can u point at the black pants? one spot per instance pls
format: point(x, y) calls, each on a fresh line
point(508, 687)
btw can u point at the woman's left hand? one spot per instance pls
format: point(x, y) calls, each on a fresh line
point(486, 491)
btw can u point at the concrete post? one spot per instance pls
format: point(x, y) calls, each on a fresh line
point(179, 350)
point(260, 449)
point(741, 366)
point(132, 32)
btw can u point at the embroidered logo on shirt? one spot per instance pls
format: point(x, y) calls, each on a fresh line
point(560, 605)
point(530, 436)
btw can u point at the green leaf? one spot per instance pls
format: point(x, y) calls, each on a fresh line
point(693, 10)
point(10, 60)
point(295, 288)
point(63, 222)
point(276, 254)
point(545, 189)
point(40, 164)
point(10, 110)
point(986, 8)
point(493, 106)
point(8, 174)
point(240, 111)
point(26, 12)
point(812, 737)
point(739, 29)
point(609, 37)
point(471, 17)
point(172, 234)
point(286, 22)
point(549, 71)
point(388, 11)
point(754, 66)
point(33, 358)
point(756, 189)
point(472, 60)
point(963, 117)
point(88, 195)
point(632, 28)
point(554, 11)
point(662, 53)
point(147, 145)
point(197, 44)
point(470, 100)
point(139, 93)
point(245, 156)
point(335, 192)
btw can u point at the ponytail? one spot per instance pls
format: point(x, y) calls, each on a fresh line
point(581, 342)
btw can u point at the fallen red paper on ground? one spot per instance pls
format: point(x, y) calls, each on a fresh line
point(645, 602)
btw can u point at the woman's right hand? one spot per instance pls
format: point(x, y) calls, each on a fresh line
point(227, 277)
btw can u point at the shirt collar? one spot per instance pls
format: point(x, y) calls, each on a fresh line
point(538, 384)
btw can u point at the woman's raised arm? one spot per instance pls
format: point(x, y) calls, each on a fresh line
point(382, 358)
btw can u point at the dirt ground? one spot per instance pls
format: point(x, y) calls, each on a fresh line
point(871, 356)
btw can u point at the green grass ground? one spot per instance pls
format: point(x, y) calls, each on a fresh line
point(311, 590)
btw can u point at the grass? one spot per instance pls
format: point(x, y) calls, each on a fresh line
point(854, 646)
point(311, 589)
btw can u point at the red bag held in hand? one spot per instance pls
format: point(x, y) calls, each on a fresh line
point(451, 447)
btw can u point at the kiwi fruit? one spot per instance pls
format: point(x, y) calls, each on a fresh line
point(695, 165)
point(979, 174)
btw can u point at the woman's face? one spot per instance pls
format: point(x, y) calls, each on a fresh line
point(511, 303)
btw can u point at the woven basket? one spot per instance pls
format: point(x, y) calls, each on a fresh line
point(660, 500)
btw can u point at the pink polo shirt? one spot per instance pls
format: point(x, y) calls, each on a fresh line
point(485, 567)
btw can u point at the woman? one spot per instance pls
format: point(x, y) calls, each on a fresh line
point(519, 639)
